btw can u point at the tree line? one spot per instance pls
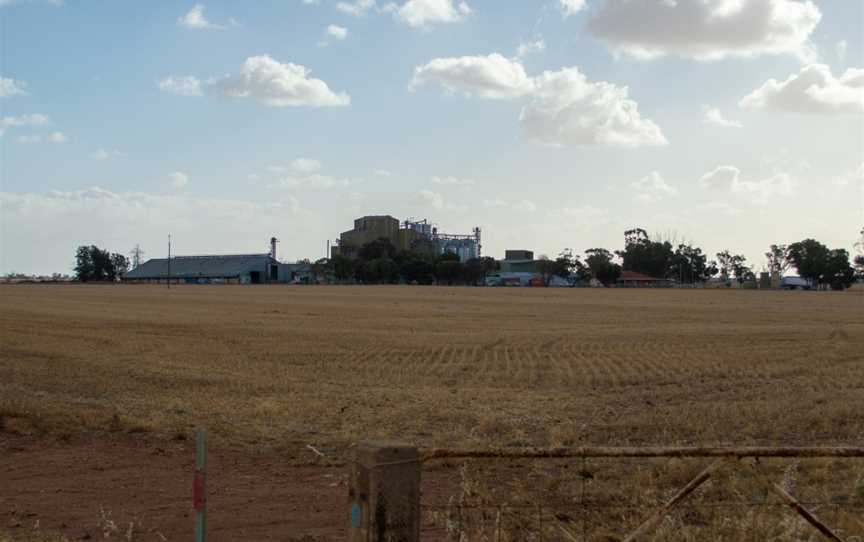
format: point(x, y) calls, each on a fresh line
point(94, 264)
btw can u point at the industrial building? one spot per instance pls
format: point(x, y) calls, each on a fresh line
point(216, 269)
point(412, 234)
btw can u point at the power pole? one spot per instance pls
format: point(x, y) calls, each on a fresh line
point(136, 256)
point(169, 261)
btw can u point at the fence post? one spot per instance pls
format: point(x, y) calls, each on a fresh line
point(384, 493)
point(199, 486)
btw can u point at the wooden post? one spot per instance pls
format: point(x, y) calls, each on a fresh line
point(199, 486)
point(384, 493)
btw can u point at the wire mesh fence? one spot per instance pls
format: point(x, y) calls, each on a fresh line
point(795, 495)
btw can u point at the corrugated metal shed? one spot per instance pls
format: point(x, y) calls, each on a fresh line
point(234, 266)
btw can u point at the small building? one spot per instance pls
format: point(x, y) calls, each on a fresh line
point(231, 269)
point(632, 279)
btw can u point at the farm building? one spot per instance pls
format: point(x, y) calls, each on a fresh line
point(412, 234)
point(633, 279)
point(234, 269)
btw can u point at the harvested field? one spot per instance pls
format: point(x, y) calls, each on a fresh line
point(271, 369)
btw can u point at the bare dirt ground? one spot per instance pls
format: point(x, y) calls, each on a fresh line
point(101, 388)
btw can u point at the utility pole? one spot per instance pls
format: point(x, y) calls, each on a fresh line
point(136, 256)
point(169, 261)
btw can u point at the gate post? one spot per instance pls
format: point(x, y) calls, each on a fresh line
point(384, 493)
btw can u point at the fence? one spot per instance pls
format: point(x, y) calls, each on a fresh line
point(385, 501)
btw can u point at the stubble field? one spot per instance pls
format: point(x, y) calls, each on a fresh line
point(271, 369)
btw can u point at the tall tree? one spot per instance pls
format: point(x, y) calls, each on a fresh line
point(810, 258)
point(642, 255)
point(778, 259)
point(859, 258)
point(599, 262)
point(119, 266)
point(689, 264)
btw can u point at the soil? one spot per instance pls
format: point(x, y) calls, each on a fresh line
point(138, 490)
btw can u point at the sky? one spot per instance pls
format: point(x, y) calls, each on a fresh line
point(550, 124)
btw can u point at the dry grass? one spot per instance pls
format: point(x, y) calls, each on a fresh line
point(434, 366)
point(468, 367)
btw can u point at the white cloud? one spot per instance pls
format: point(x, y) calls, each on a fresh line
point(423, 13)
point(118, 221)
point(357, 8)
point(185, 85)
point(567, 109)
point(524, 206)
point(179, 179)
point(11, 87)
point(195, 19)
point(712, 115)
point(841, 48)
point(528, 47)
point(652, 188)
point(35, 119)
point(495, 202)
point(105, 154)
point(813, 90)
point(437, 202)
point(584, 213)
point(57, 137)
point(311, 2)
point(29, 139)
point(451, 181)
point(317, 180)
point(564, 108)
point(728, 178)
point(571, 7)
point(706, 29)
point(491, 76)
point(336, 32)
point(382, 173)
point(305, 165)
point(851, 178)
point(275, 84)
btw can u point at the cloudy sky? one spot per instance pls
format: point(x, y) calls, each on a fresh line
point(551, 124)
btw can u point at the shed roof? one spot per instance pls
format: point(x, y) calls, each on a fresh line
point(202, 266)
point(633, 276)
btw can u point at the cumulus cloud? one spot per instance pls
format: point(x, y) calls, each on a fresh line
point(195, 19)
point(452, 181)
point(357, 8)
point(813, 90)
point(278, 84)
point(305, 165)
point(564, 107)
point(652, 188)
point(712, 115)
point(851, 178)
point(706, 29)
point(728, 178)
point(528, 47)
point(186, 85)
point(12, 87)
point(382, 173)
point(336, 32)
point(437, 201)
point(35, 119)
point(571, 7)
point(424, 13)
point(57, 137)
point(105, 154)
point(179, 179)
point(491, 76)
point(567, 109)
point(119, 220)
point(29, 139)
point(524, 206)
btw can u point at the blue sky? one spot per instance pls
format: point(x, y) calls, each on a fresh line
point(125, 121)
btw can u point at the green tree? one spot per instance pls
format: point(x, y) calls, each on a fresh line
point(416, 267)
point(95, 264)
point(448, 269)
point(379, 248)
point(778, 259)
point(642, 255)
point(810, 258)
point(343, 268)
point(119, 266)
point(322, 270)
point(84, 268)
point(689, 264)
point(839, 273)
point(601, 266)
